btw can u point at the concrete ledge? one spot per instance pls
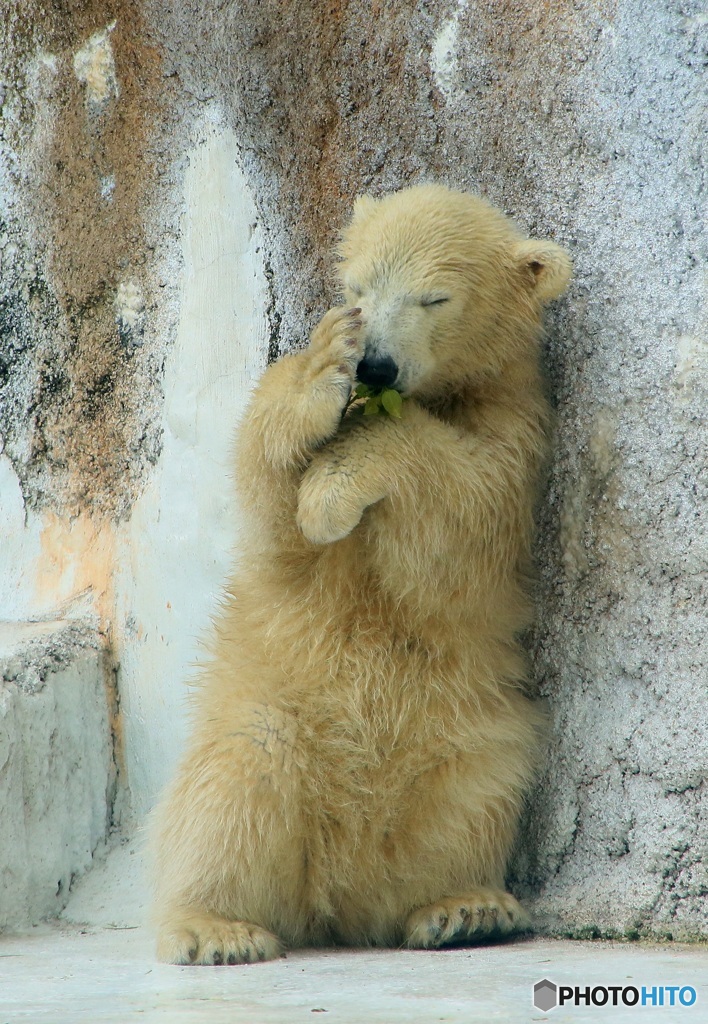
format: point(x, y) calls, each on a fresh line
point(57, 773)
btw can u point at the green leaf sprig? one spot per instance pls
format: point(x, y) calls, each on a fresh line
point(384, 401)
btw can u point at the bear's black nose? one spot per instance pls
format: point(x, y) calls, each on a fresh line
point(377, 371)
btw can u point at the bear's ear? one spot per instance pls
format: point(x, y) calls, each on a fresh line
point(545, 266)
point(364, 206)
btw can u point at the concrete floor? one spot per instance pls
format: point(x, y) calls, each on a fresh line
point(98, 965)
point(66, 975)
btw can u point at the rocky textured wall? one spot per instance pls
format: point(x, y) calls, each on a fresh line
point(583, 120)
point(80, 387)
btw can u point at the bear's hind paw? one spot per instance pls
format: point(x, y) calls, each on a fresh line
point(484, 913)
point(207, 939)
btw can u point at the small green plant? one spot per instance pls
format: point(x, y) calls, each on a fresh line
point(376, 402)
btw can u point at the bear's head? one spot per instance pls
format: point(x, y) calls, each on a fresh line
point(449, 289)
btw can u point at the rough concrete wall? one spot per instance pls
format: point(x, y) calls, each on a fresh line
point(583, 120)
point(174, 551)
point(79, 380)
point(146, 245)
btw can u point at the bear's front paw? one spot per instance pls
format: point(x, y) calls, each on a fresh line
point(327, 509)
point(335, 351)
point(300, 400)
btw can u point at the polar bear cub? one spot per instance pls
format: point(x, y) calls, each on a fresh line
point(361, 742)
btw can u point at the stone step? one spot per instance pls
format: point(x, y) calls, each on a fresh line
point(57, 768)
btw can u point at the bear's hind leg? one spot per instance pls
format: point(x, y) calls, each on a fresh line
point(479, 914)
point(229, 845)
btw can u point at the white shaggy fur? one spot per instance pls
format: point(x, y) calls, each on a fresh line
point(361, 741)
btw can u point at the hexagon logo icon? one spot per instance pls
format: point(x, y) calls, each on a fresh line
point(545, 995)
